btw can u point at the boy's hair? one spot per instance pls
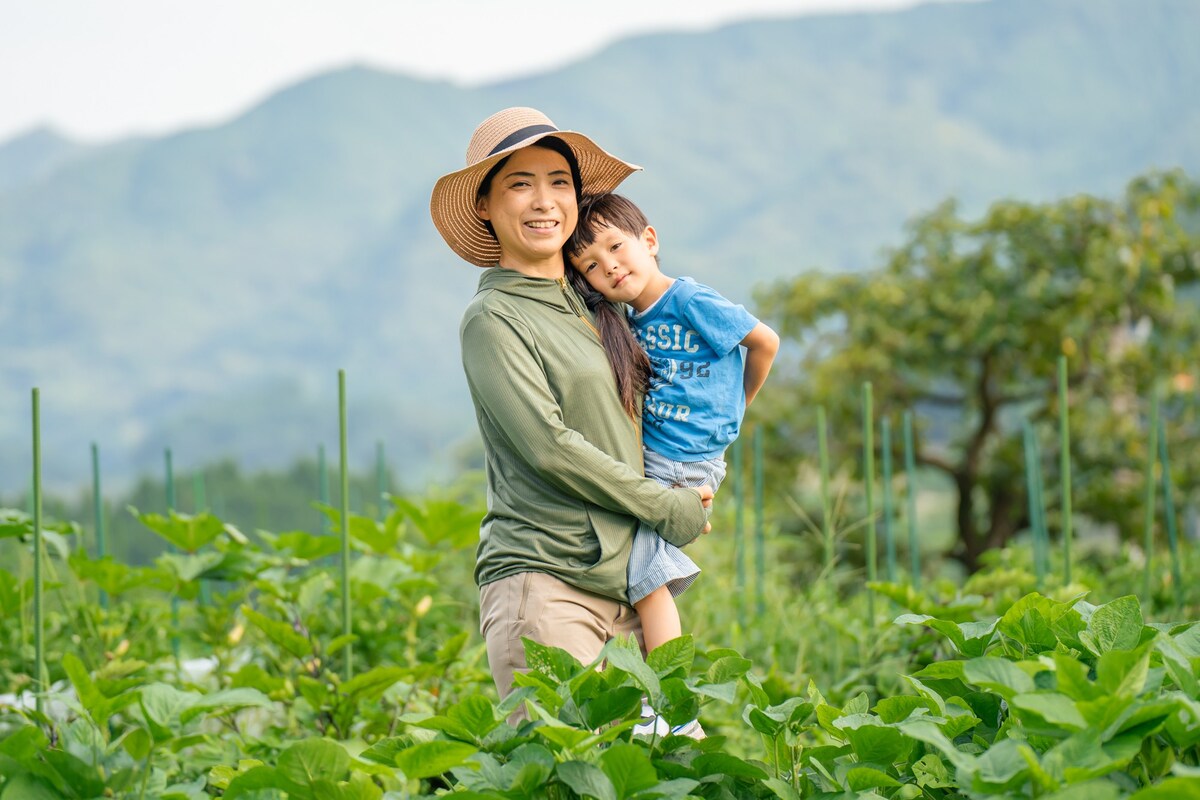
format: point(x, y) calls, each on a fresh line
point(629, 362)
point(600, 211)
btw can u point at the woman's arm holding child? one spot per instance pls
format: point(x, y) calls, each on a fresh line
point(761, 345)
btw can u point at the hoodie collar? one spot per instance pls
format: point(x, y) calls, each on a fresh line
point(557, 293)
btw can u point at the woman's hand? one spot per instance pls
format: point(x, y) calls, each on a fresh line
point(706, 497)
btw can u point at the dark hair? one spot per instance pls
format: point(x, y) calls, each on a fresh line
point(548, 143)
point(600, 211)
point(629, 362)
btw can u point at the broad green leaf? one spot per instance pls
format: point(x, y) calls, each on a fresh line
point(611, 705)
point(628, 767)
point(929, 733)
point(1056, 709)
point(306, 546)
point(862, 778)
point(305, 762)
point(631, 663)
point(931, 773)
point(552, 661)
point(1071, 678)
point(256, 778)
point(475, 713)
point(26, 787)
point(82, 778)
point(782, 789)
point(1114, 626)
point(586, 780)
point(1091, 790)
point(137, 743)
point(1179, 666)
point(1000, 766)
point(376, 537)
point(998, 675)
point(224, 701)
point(728, 669)
point(371, 685)
point(25, 743)
point(1123, 672)
point(969, 638)
point(873, 740)
point(725, 764)
point(1175, 788)
point(433, 758)
point(1188, 641)
point(942, 671)
point(281, 633)
point(186, 531)
point(163, 705)
point(673, 656)
point(757, 719)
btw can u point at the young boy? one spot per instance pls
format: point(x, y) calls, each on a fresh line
point(698, 382)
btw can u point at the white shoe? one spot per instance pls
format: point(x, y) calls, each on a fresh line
point(654, 725)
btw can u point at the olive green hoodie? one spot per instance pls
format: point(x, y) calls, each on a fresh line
point(564, 461)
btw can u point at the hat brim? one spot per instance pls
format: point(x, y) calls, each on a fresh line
point(452, 204)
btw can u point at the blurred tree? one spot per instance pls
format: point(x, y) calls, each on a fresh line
point(965, 324)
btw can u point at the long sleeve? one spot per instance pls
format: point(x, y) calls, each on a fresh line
point(509, 381)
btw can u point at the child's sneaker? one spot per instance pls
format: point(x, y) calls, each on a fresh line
point(692, 730)
point(653, 725)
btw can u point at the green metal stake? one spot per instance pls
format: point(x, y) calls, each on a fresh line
point(1169, 509)
point(1065, 465)
point(1043, 536)
point(175, 648)
point(323, 487)
point(200, 505)
point(760, 563)
point(1031, 479)
point(910, 486)
point(98, 513)
point(347, 627)
point(380, 477)
point(739, 534)
point(39, 646)
point(889, 539)
point(1148, 531)
point(868, 481)
point(826, 504)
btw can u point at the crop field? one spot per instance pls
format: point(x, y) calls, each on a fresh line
point(261, 665)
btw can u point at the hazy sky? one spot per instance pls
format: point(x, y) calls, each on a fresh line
point(99, 69)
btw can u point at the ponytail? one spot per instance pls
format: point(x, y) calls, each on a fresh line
point(629, 362)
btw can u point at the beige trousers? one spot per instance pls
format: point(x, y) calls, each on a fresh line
point(540, 607)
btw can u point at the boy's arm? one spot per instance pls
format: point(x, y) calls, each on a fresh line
point(761, 345)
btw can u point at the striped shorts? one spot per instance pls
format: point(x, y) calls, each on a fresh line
point(654, 561)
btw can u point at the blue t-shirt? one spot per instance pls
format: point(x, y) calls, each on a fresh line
point(697, 394)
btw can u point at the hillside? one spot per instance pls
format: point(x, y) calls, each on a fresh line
point(201, 289)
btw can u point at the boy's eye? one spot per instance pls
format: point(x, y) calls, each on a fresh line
point(616, 247)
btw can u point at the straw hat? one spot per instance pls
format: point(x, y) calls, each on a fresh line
point(453, 202)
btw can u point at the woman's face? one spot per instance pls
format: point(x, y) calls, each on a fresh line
point(531, 205)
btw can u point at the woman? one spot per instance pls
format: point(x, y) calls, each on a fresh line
point(564, 460)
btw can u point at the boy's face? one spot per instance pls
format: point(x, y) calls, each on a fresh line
point(622, 266)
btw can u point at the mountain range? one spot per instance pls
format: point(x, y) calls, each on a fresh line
point(200, 290)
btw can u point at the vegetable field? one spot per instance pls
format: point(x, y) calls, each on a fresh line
point(225, 670)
